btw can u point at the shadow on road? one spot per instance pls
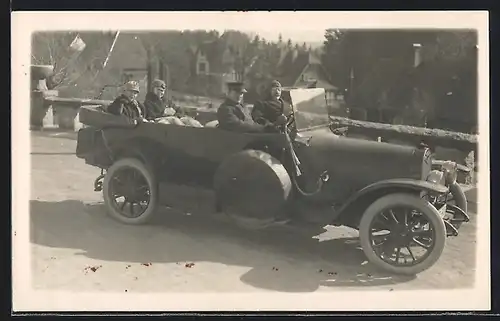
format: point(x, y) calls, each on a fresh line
point(177, 238)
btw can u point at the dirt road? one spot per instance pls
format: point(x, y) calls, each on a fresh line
point(75, 246)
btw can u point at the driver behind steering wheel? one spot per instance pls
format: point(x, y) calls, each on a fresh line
point(272, 112)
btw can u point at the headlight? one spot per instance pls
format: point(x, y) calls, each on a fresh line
point(436, 177)
point(449, 169)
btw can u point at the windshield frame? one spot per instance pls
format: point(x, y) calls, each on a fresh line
point(315, 93)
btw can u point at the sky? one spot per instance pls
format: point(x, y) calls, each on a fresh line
point(299, 36)
point(299, 26)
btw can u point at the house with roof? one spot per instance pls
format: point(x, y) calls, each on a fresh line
point(127, 61)
point(214, 63)
point(295, 68)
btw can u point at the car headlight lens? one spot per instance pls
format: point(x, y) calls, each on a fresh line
point(449, 169)
point(436, 177)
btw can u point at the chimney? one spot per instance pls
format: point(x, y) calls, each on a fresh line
point(417, 49)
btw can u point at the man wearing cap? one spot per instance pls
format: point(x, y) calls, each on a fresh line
point(154, 100)
point(157, 108)
point(272, 111)
point(155, 103)
point(232, 115)
point(126, 104)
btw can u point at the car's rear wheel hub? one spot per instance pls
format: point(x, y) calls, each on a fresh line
point(130, 192)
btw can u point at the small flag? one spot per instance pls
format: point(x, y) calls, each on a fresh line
point(78, 44)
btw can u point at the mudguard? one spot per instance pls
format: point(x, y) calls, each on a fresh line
point(397, 183)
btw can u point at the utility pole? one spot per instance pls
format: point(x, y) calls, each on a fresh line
point(351, 83)
point(149, 69)
point(167, 76)
point(164, 72)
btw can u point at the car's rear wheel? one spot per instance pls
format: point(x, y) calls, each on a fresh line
point(130, 191)
point(402, 234)
point(252, 188)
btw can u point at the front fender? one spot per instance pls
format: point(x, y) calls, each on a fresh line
point(392, 185)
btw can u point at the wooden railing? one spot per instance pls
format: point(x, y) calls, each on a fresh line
point(411, 134)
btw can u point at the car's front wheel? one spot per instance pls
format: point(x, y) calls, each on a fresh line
point(402, 234)
point(130, 191)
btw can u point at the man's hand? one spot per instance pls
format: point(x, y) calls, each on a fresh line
point(281, 120)
point(271, 128)
point(169, 111)
point(140, 120)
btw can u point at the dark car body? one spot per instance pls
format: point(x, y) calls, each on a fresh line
point(192, 155)
point(348, 174)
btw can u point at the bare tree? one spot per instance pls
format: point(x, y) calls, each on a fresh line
point(73, 55)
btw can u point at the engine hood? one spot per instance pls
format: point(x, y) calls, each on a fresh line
point(355, 163)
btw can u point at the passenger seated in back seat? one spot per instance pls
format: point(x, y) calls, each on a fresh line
point(157, 109)
point(127, 105)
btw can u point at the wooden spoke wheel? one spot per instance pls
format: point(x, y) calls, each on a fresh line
point(402, 233)
point(130, 191)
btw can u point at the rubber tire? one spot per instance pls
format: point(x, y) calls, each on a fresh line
point(233, 166)
point(392, 200)
point(147, 173)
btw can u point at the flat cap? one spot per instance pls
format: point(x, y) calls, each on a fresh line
point(275, 83)
point(132, 86)
point(236, 86)
point(158, 83)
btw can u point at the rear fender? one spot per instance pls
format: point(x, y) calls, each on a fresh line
point(354, 207)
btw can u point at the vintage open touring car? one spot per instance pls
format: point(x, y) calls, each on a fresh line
point(403, 203)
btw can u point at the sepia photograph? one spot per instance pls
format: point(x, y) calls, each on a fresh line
point(231, 161)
